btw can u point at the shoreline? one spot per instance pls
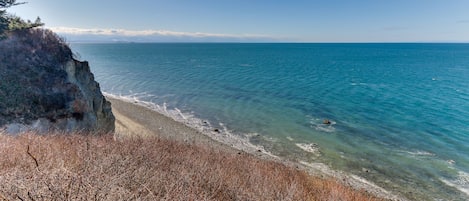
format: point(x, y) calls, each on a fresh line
point(140, 119)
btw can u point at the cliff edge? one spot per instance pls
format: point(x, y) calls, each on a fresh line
point(43, 88)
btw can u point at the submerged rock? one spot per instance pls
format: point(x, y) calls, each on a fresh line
point(43, 88)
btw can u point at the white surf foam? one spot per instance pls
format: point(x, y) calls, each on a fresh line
point(352, 180)
point(319, 125)
point(358, 83)
point(221, 133)
point(311, 147)
point(241, 142)
point(461, 182)
point(420, 153)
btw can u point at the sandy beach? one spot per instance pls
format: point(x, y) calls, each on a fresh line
point(136, 120)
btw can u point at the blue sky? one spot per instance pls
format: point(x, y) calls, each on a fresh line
point(254, 20)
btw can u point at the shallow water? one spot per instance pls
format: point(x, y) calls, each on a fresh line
point(399, 112)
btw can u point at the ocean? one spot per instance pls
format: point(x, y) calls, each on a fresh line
point(399, 113)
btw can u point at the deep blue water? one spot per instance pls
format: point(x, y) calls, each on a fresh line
point(400, 112)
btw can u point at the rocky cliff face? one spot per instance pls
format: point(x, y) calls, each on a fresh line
point(43, 88)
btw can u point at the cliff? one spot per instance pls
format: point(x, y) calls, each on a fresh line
point(43, 88)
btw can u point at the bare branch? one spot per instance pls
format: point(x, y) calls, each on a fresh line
point(35, 160)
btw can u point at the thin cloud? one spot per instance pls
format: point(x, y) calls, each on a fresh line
point(395, 28)
point(149, 33)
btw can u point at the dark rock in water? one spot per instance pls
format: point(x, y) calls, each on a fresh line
point(43, 88)
point(216, 130)
point(326, 121)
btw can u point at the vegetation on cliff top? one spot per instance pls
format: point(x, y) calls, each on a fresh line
point(41, 81)
point(33, 83)
point(28, 61)
point(9, 23)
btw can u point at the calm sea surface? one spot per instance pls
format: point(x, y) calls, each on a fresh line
point(399, 112)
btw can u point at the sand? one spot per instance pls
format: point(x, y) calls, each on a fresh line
point(136, 120)
point(133, 120)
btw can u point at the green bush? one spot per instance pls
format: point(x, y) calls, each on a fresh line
point(10, 22)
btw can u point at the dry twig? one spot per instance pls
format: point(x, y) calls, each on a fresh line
point(35, 160)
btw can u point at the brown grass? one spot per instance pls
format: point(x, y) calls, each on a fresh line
point(84, 167)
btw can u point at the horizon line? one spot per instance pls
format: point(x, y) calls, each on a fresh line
point(275, 42)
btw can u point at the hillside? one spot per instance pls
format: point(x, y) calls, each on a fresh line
point(43, 88)
point(86, 167)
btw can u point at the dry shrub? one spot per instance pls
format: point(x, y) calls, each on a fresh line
point(85, 167)
point(35, 47)
point(33, 79)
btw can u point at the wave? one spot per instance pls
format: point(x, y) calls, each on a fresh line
point(358, 83)
point(242, 142)
point(420, 153)
point(218, 133)
point(246, 65)
point(311, 147)
point(461, 182)
point(319, 125)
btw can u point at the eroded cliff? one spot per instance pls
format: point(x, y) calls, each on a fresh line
point(43, 88)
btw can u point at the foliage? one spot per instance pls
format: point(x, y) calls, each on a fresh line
point(16, 23)
point(10, 22)
point(3, 23)
point(31, 61)
point(8, 3)
point(3, 15)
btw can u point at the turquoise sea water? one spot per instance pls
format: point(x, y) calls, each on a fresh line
point(399, 112)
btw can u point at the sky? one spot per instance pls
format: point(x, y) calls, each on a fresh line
point(253, 20)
